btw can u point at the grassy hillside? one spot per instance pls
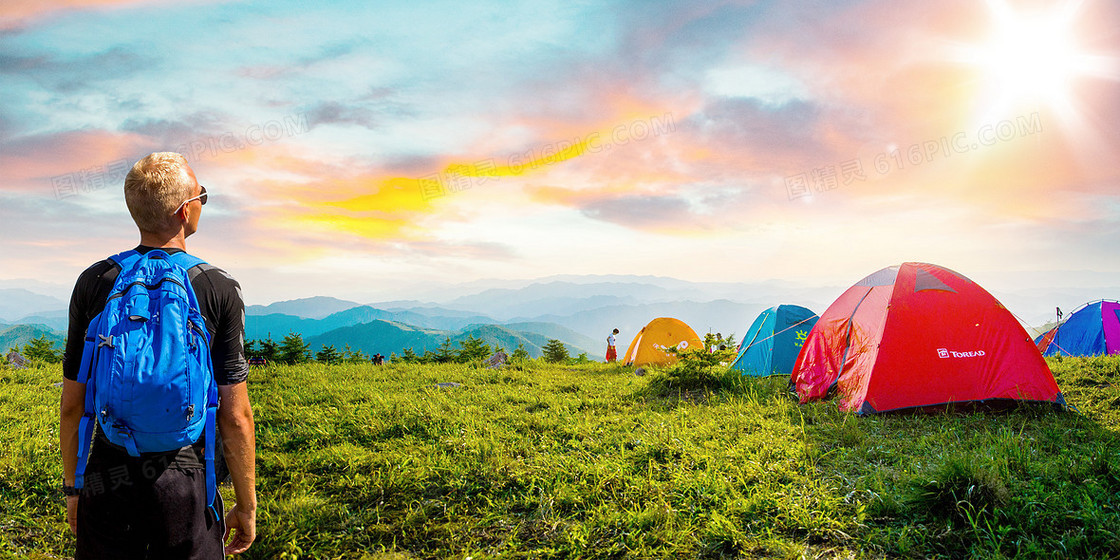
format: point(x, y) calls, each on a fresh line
point(593, 346)
point(544, 461)
point(386, 337)
point(379, 336)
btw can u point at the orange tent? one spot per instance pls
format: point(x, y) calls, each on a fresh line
point(648, 346)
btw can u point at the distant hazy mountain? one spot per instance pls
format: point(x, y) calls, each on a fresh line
point(17, 302)
point(55, 320)
point(317, 307)
point(555, 298)
point(568, 336)
point(12, 337)
point(279, 325)
point(61, 292)
point(432, 318)
point(724, 317)
point(429, 310)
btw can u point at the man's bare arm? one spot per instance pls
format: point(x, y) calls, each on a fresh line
point(70, 414)
point(235, 421)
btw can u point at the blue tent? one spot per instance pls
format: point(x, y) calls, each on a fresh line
point(771, 345)
point(1092, 330)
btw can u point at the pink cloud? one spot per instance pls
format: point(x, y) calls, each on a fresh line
point(34, 163)
point(18, 13)
point(15, 13)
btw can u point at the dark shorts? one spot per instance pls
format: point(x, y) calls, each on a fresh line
point(145, 509)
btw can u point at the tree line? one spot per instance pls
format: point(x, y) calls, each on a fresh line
point(293, 350)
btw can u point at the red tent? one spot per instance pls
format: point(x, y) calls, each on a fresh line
point(920, 335)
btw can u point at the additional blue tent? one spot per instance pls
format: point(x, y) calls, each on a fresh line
point(771, 345)
point(1092, 330)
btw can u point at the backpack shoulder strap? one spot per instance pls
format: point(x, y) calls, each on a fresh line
point(126, 259)
point(186, 260)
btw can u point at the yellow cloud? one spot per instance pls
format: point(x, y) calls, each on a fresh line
point(395, 195)
point(370, 228)
point(390, 206)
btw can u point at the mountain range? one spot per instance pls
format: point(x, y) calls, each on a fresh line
point(577, 310)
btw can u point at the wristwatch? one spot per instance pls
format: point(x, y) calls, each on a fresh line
point(70, 491)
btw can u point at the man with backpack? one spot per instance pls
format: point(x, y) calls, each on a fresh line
point(154, 371)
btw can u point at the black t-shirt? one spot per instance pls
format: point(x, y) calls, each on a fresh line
point(219, 300)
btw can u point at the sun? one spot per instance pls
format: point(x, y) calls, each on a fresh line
point(1031, 60)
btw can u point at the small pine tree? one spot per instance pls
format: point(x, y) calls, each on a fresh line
point(445, 353)
point(353, 356)
point(293, 350)
point(269, 350)
point(555, 351)
point(520, 353)
point(473, 349)
point(42, 349)
point(251, 348)
point(409, 356)
point(328, 355)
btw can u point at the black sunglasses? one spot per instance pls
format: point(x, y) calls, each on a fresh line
point(201, 199)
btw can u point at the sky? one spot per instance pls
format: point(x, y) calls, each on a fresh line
point(372, 150)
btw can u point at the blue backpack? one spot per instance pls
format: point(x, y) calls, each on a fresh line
point(146, 363)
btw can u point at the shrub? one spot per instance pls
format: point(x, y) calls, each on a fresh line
point(696, 370)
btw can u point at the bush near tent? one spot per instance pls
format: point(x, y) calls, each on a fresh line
point(919, 335)
point(648, 346)
point(773, 341)
point(1091, 330)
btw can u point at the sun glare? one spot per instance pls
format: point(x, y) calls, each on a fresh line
point(1032, 60)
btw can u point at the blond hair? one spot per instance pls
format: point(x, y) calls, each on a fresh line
point(154, 188)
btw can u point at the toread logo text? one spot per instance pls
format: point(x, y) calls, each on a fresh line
point(946, 353)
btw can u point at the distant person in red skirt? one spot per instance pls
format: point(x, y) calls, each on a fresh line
point(612, 354)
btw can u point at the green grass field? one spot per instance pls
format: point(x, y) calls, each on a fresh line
point(550, 461)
